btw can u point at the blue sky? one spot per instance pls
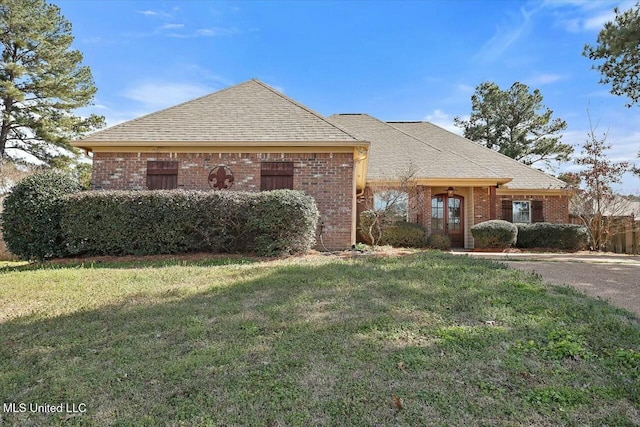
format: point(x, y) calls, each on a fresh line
point(417, 60)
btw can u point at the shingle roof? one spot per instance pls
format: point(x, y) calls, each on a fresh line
point(250, 111)
point(524, 177)
point(393, 152)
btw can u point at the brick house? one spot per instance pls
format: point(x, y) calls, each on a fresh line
point(251, 137)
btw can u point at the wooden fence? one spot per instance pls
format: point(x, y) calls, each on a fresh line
point(626, 234)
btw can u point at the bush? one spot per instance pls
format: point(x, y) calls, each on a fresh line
point(157, 222)
point(31, 215)
point(496, 233)
point(571, 237)
point(439, 241)
point(282, 222)
point(404, 234)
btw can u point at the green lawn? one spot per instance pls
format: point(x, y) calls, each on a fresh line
point(425, 339)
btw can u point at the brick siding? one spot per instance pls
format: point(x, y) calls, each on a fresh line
point(328, 177)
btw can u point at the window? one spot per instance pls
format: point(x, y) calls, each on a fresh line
point(162, 175)
point(394, 201)
point(522, 212)
point(276, 176)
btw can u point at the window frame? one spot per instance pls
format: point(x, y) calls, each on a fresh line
point(517, 215)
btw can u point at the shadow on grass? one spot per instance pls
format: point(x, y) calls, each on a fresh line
point(332, 343)
point(134, 262)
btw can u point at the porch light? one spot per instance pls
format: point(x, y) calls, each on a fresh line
point(451, 191)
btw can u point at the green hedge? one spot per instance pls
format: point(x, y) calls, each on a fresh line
point(31, 215)
point(571, 237)
point(158, 222)
point(405, 235)
point(391, 231)
point(496, 233)
point(439, 241)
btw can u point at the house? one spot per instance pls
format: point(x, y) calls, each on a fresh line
point(251, 137)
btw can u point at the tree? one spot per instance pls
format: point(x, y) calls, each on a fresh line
point(42, 82)
point(596, 204)
point(619, 46)
point(515, 123)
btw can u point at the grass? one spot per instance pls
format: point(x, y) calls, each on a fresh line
point(425, 339)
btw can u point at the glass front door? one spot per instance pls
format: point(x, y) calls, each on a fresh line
point(447, 217)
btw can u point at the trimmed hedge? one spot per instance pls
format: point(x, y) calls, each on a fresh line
point(158, 222)
point(392, 232)
point(439, 241)
point(31, 215)
point(405, 235)
point(571, 237)
point(496, 233)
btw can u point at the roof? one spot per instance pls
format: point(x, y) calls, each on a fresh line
point(250, 111)
point(394, 153)
point(524, 177)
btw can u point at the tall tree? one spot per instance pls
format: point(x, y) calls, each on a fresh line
point(515, 123)
point(596, 204)
point(42, 82)
point(619, 46)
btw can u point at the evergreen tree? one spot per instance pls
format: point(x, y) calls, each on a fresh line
point(42, 82)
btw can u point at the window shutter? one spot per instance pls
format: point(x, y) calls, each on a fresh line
point(507, 210)
point(162, 175)
point(276, 176)
point(536, 211)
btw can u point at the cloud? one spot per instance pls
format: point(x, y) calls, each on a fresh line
point(172, 26)
point(506, 36)
point(157, 95)
point(217, 31)
point(543, 79)
point(584, 16)
point(148, 12)
point(444, 120)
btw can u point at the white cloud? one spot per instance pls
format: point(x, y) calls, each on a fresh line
point(148, 12)
point(543, 79)
point(172, 26)
point(216, 31)
point(444, 120)
point(157, 95)
point(506, 36)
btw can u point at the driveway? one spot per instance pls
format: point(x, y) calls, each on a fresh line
point(615, 278)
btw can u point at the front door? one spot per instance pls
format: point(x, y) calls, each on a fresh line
point(447, 216)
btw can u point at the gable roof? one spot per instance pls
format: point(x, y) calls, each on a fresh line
point(524, 177)
point(250, 111)
point(394, 153)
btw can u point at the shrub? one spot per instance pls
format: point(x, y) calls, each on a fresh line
point(494, 234)
point(369, 231)
point(439, 241)
point(156, 222)
point(31, 215)
point(282, 222)
point(572, 237)
point(404, 234)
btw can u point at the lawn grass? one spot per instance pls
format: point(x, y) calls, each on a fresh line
point(424, 339)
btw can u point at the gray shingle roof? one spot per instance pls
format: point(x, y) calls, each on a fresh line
point(250, 111)
point(524, 177)
point(394, 152)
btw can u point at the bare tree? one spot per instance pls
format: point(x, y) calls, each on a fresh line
point(596, 204)
point(387, 203)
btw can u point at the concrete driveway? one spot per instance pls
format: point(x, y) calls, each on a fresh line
point(615, 278)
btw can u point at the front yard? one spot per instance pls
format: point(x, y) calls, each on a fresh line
point(424, 339)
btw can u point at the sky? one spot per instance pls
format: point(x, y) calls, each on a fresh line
point(395, 60)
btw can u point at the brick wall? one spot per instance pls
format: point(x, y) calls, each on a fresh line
point(327, 177)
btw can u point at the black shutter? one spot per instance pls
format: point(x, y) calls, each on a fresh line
point(276, 176)
point(537, 214)
point(507, 210)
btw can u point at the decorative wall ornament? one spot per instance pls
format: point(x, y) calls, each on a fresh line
point(220, 178)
